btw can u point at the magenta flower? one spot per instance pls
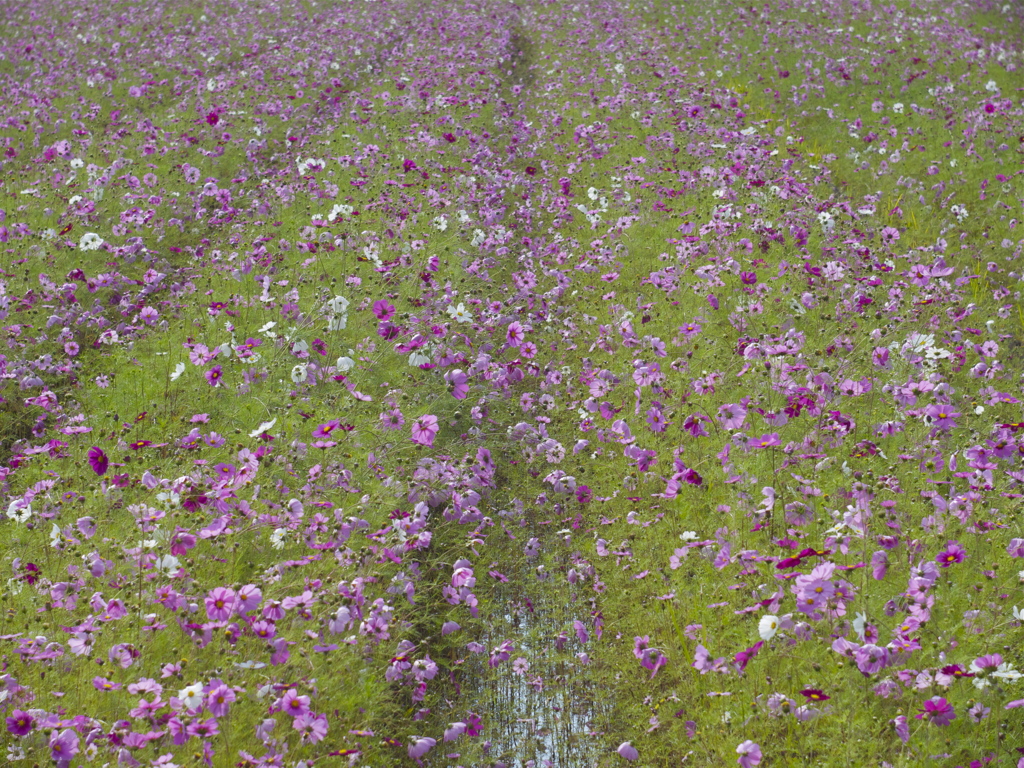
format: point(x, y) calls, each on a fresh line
point(420, 747)
point(218, 701)
point(628, 751)
point(220, 604)
point(764, 441)
point(325, 429)
point(942, 417)
point(458, 381)
point(20, 723)
point(98, 460)
point(392, 419)
point(312, 727)
point(744, 657)
point(294, 704)
point(516, 334)
point(813, 694)
point(382, 310)
point(871, 658)
point(938, 711)
point(424, 429)
point(953, 553)
point(732, 415)
point(749, 754)
point(213, 376)
point(748, 278)
point(63, 747)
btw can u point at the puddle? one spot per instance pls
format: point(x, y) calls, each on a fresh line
point(548, 713)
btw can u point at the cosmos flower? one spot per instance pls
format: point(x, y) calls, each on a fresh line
point(98, 460)
point(749, 754)
point(937, 711)
point(424, 429)
point(90, 241)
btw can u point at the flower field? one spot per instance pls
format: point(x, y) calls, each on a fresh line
point(511, 384)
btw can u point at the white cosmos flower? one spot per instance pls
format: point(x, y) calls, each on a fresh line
point(90, 242)
point(338, 305)
point(169, 564)
point(178, 370)
point(263, 427)
point(344, 364)
point(767, 627)
point(277, 538)
point(191, 695)
point(19, 511)
point(299, 373)
point(265, 330)
point(460, 314)
point(418, 358)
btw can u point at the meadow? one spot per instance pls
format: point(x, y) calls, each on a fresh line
point(511, 384)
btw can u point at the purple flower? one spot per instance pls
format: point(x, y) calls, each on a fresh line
point(313, 727)
point(764, 441)
point(732, 415)
point(938, 711)
point(98, 460)
point(20, 722)
point(220, 604)
point(750, 754)
point(516, 334)
point(325, 429)
point(294, 704)
point(871, 658)
point(63, 747)
point(458, 381)
point(382, 310)
point(218, 701)
point(392, 419)
point(628, 751)
point(213, 376)
point(1015, 548)
point(953, 553)
point(902, 729)
point(424, 429)
point(879, 564)
point(744, 657)
point(420, 747)
point(748, 278)
point(713, 300)
point(942, 417)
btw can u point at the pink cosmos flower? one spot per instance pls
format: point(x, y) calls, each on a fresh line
point(382, 310)
point(749, 754)
point(63, 747)
point(313, 727)
point(732, 415)
point(953, 553)
point(420, 747)
point(764, 441)
point(938, 711)
point(516, 334)
point(458, 381)
point(20, 723)
point(424, 429)
point(220, 604)
point(628, 751)
point(218, 701)
point(98, 460)
point(214, 375)
point(294, 704)
point(324, 430)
